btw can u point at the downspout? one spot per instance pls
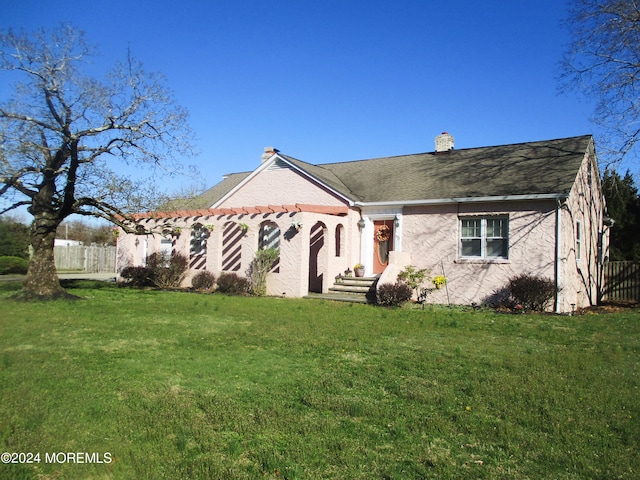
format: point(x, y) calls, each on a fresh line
point(557, 270)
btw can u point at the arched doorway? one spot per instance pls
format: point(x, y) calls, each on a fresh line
point(317, 257)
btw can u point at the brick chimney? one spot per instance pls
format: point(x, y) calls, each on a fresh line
point(268, 153)
point(444, 143)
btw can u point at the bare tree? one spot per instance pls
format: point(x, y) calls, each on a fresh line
point(66, 135)
point(603, 61)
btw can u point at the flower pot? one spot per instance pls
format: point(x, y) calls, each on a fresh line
point(359, 272)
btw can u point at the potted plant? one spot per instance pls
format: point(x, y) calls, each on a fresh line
point(438, 281)
point(358, 268)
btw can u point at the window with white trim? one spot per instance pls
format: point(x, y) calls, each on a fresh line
point(166, 246)
point(578, 240)
point(484, 237)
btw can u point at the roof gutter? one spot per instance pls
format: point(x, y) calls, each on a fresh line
point(453, 200)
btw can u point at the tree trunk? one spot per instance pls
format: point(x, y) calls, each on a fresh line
point(42, 279)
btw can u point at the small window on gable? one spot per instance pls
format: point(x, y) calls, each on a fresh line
point(484, 237)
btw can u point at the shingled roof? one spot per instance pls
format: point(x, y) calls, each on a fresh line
point(535, 168)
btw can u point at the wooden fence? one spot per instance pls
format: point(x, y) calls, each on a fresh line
point(621, 281)
point(92, 259)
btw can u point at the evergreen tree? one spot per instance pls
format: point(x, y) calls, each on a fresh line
point(623, 204)
point(14, 238)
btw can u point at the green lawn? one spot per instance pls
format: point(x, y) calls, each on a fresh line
point(174, 385)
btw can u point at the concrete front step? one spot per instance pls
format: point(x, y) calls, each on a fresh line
point(339, 297)
point(349, 289)
point(338, 287)
point(359, 279)
point(356, 281)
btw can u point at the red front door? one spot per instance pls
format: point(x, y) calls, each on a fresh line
point(382, 244)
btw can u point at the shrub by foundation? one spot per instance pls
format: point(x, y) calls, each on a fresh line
point(203, 281)
point(136, 276)
point(259, 269)
point(532, 292)
point(162, 270)
point(232, 284)
point(394, 294)
point(167, 270)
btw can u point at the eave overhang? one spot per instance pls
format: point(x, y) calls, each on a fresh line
point(454, 200)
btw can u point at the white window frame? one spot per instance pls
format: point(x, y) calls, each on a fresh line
point(483, 237)
point(579, 242)
point(166, 246)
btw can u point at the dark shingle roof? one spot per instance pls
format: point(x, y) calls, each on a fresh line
point(533, 168)
point(546, 167)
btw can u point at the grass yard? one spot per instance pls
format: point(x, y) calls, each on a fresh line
point(174, 385)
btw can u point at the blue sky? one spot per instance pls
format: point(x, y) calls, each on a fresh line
point(327, 81)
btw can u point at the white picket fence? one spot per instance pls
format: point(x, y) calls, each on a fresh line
point(93, 259)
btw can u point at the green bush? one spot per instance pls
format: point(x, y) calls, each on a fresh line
point(136, 276)
point(167, 270)
point(233, 284)
point(14, 238)
point(532, 292)
point(260, 267)
point(203, 281)
point(13, 265)
point(394, 294)
point(162, 270)
point(413, 277)
point(500, 298)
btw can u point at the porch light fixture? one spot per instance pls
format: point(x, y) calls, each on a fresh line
point(361, 223)
point(396, 221)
